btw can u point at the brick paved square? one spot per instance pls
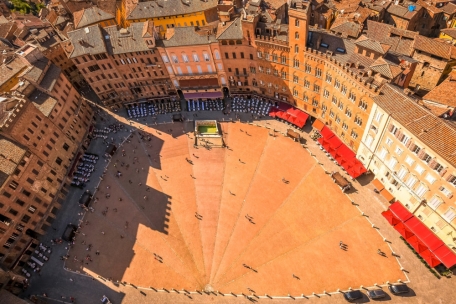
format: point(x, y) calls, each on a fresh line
point(223, 219)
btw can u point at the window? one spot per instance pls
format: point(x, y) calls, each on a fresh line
point(378, 118)
point(217, 54)
point(316, 88)
point(13, 212)
point(426, 158)
point(337, 84)
point(296, 22)
point(449, 215)
point(334, 100)
point(435, 202)
point(419, 169)
point(405, 139)
point(445, 191)
point(430, 179)
point(31, 209)
point(207, 58)
point(402, 173)
point(343, 90)
point(325, 93)
point(369, 140)
point(13, 185)
point(328, 78)
point(452, 179)
point(196, 58)
point(296, 48)
point(259, 54)
point(392, 163)
point(308, 68)
point(398, 151)
point(415, 149)
point(348, 112)
point(315, 102)
point(295, 63)
point(362, 105)
point(184, 58)
point(234, 56)
point(421, 190)
point(341, 105)
point(58, 161)
point(295, 79)
point(358, 121)
point(352, 96)
point(306, 84)
point(25, 218)
point(409, 160)
point(354, 135)
point(411, 181)
point(382, 154)
point(318, 72)
point(283, 59)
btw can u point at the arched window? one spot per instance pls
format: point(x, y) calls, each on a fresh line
point(297, 23)
point(296, 48)
point(217, 54)
point(296, 35)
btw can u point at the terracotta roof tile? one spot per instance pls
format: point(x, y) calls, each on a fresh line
point(10, 151)
point(444, 92)
point(434, 47)
point(433, 131)
point(90, 16)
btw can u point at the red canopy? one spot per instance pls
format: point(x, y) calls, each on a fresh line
point(390, 217)
point(415, 242)
point(334, 142)
point(430, 258)
point(357, 169)
point(346, 152)
point(445, 255)
point(403, 230)
point(424, 233)
point(400, 211)
point(326, 133)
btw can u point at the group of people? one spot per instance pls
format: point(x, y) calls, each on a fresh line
point(84, 169)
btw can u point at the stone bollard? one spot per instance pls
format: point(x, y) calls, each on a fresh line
point(290, 296)
point(267, 296)
point(233, 294)
point(153, 289)
point(165, 289)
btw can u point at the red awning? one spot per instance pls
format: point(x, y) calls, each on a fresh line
point(334, 142)
point(346, 152)
point(390, 217)
point(415, 242)
point(357, 169)
point(400, 211)
point(273, 112)
point(430, 258)
point(403, 230)
point(326, 133)
point(445, 255)
point(424, 233)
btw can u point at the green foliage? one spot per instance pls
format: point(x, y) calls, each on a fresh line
point(24, 7)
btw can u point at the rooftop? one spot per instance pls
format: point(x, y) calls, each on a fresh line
point(435, 47)
point(444, 93)
point(181, 36)
point(162, 8)
point(231, 30)
point(10, 69)
point(90, 16)
point(119, 41)
point(42, 101)
point(433, 131)
point(86, 41)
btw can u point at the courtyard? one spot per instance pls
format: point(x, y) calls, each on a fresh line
point(260, 215)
